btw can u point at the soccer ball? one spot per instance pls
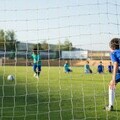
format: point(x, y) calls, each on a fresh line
point(10, 77)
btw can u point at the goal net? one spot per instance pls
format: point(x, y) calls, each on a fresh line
point(66, 31)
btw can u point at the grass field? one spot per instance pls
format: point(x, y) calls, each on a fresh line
point(56, 95)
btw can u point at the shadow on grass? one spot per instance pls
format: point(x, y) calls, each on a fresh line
point(115, 110)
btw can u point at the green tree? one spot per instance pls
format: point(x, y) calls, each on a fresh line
point(38, 46)
point(45, 45)
point(2, 39)
point(11, 42)
point(67, 45)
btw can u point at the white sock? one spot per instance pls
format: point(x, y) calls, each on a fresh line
point(111, 96)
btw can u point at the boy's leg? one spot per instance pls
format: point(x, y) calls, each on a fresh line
point(111, 96)
point(68, 70)
point(39, 69)
point(90, 71)
point(34, 68)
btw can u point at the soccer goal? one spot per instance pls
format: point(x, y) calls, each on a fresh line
point(49, 57)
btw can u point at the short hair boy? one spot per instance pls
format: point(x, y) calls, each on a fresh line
point(67, 67)
point(87, 68)
point(115, 57)
point(100, 68)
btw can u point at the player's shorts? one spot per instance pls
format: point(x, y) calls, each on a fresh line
point(100, 71)
point(117, 77)
point(88, 71)
point(35, 66)
point(68, 70)
point(110, 71)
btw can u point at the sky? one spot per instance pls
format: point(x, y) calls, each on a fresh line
point(88, 24)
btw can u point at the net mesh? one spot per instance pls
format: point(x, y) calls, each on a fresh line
point(70, 30)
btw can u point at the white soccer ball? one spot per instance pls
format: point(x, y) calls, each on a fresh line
point(10, 77)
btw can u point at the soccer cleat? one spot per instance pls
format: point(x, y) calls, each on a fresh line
point(35, 75)
point(107, 108)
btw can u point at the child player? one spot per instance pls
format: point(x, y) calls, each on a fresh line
point(67, 67)
point(87, 68)
point(36, 63)
point(100, 68)
point(115, 57)
point(110, 68)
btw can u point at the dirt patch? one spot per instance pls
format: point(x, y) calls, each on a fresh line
point(53, 62)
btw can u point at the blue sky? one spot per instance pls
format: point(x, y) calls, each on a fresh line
point(88, 24)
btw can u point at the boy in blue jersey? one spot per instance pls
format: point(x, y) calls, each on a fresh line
point(100, 68)
point(67, 67)
point(87, 68)
point(110, 68)
point(36, 63)
point(115, 57)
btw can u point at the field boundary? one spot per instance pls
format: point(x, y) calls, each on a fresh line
point(10, 62)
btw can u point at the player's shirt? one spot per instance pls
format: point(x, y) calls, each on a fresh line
point(87, 67)
point(115, 57)
point(66, 66)
point(100, 68)
point(36, 59)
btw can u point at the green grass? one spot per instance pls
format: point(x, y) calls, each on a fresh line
point(56, 95)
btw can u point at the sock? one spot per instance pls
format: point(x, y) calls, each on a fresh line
point(111, 96)
point(38, 73)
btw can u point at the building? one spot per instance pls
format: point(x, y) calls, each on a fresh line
point(98, 55)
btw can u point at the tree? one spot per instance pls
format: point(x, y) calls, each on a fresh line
point(38, 46)
point(45, 45)
point(2, 39)
point(11, 42)
point(67, 45)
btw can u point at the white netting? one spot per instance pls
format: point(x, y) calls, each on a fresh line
point(72, 30)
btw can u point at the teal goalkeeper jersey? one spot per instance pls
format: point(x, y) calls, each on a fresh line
point(36, 59)
point(66, 66)
point(86, 67)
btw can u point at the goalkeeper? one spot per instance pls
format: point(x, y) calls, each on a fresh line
point(36, 63)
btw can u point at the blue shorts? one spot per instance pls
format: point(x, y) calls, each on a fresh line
point(68, 70)
point(117, 77)
point(100, 71)
point(35, 66)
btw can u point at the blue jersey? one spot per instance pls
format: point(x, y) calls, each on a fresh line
point(100, 68)
point(115, 57)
